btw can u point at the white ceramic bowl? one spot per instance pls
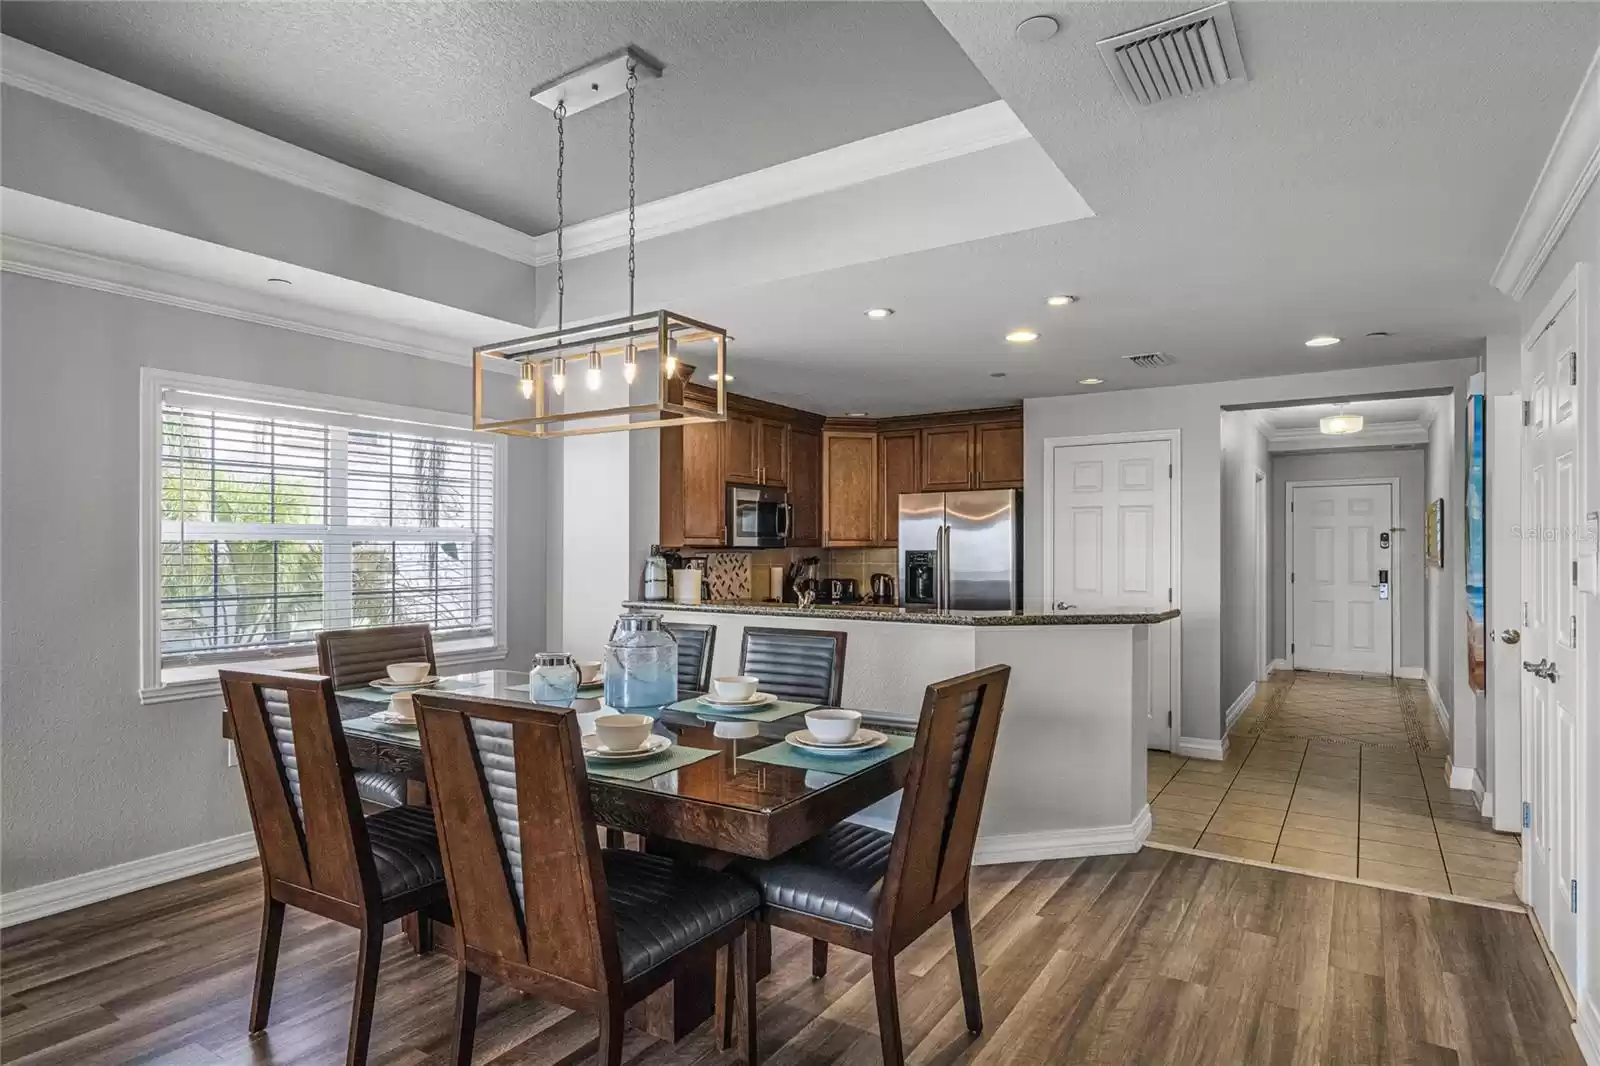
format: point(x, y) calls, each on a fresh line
point(589, 673)
point(400, 705)
point(831, 725)
point(623, 732)
point(741, 687)
point(409, 673)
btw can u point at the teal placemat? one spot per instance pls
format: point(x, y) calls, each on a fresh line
point(786, 754)
point(377, 695)
point(770, 713)
point(373, 728)
point(674, 758)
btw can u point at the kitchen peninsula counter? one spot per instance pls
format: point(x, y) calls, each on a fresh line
point(867, 612)
point(1087, 690)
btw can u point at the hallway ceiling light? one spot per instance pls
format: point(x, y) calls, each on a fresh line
point(1091, 381)
point(623, 337)
point(1062, 300)
point(1022, 336)
point(1322, 341)
point(1342, 425)
point(879, 312)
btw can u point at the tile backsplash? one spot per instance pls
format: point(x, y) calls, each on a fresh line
point(861, 564)
point(744, 575)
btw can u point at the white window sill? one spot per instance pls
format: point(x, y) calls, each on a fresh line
point(198, 682)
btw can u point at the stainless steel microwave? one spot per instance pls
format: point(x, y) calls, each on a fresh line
point(757, 517)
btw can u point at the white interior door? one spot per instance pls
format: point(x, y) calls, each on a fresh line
point(1111, 545)
point(1551, 654)
point(1339, 561)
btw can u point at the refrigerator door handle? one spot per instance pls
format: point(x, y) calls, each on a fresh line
point(944, 566)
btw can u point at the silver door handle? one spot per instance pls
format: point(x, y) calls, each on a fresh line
point(1544, 669)
point(1062, 605)
point(1511, 636)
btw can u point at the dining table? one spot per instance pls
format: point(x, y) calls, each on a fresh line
point(729, 787)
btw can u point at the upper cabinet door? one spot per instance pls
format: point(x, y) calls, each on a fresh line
point(999, 457)
point(774, 457)
point(805, 488)
point(898, 471)
point(741, 449)
point(947, 455)
point(849, 473)
point(703, 493)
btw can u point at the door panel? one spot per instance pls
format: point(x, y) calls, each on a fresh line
point(1340, 622)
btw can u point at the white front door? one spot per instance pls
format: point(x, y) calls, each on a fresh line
point(1341, 578)
point(1111, 545)
point(1551, 655)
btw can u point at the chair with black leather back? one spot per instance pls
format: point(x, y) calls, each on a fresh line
point(318, 852)
point(542, 907)
point(796, 664)
point(354, 657)
point(696, 645)
point(874, 892)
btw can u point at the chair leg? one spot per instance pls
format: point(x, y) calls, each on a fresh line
point(888, 1008)
point(819, 959)
point(467, 985)
point(424, 940)
point(967, 966)
point(611, 1034)
point(613, 839)
point(366, 993)
point(266, 963)
point(750, 940)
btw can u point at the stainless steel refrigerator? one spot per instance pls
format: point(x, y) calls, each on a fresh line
point(961, 551)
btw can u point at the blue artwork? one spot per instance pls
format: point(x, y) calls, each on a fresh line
point(1474, 552)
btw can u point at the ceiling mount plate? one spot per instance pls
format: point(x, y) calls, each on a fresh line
point(595, 82)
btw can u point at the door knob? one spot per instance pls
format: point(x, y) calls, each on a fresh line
point(1511, 636)
point(1544, 668)
point(1062, 605)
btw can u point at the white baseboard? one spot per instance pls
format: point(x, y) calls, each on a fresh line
point(1480, 791)
point(1587, 1030)
point(1411, 673)
point(1277, 664)
point(40, 901)
point(1440, 712)
point(1462, 777)
point(1063, 843)
point(1486, 804)
point(1201, 748)
point(1238, 706)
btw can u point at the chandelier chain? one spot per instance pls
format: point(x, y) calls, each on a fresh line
point(561, 215)
point(633, 85)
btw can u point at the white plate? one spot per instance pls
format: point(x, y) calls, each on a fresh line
point(864, 740)
point(760, 699)
point(405, 686)
point(393, 718)
point(655, 745)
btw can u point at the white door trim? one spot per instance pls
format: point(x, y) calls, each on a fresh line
point(1395, 613)
point(1175, 486)
point(1263, 564)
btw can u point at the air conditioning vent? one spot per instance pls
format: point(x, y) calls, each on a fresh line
point(1182, 56)
point(1149, 360)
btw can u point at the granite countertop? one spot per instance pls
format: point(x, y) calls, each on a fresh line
point(875, 613)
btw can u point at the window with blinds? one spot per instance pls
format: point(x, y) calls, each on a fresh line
point(277, 521)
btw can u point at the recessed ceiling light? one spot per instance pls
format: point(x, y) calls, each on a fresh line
point(1322, 341)
point(280, 281)
point(855, 414)
point(1038, 28)
point(1091, 381)
point(879, 312)
point(1380, 333)
point(1061, 301)
point(721, 377)
point(998, 374)
point(1022, 336)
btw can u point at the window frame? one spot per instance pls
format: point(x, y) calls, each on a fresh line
point(158, 685)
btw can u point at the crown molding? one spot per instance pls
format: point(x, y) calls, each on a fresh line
point(57, 78)
point(1374, 435)
point(70, 267)
point(1569, 171)
point(934, 141)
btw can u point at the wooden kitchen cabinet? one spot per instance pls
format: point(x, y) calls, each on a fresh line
point(947, 453)
point(741, 449)
point(805, 488)
point(773, 453)
point(692, 498)
point(898, 471)
point(999, 463)
point(849, 495)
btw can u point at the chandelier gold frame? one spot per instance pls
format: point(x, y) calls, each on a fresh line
point(644, 333)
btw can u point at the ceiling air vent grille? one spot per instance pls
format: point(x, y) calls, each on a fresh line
point(1149, 360)
point(1182, 56)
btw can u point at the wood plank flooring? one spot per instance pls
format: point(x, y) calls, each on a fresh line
point(1160, 957)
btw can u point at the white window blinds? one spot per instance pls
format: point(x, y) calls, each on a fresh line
point(278, 521)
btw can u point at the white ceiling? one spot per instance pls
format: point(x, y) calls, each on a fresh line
point(1353, 184)
point(1412, 410)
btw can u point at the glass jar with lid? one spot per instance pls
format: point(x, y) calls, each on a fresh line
point(641, 664)
point(553, 681)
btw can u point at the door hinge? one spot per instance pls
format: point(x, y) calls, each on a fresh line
point(1169, 465)
point(1291, 577)
point(1524, 612)
point(1574, 573)
point(1527, 413)
point(1574, 629)
point(1572, 360)
point(1527, 816)
point(1169, 719)
point(1574, 895)
point(1291, 648)
point(1169, 595)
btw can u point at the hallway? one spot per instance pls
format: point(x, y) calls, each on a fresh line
point(1339, 775)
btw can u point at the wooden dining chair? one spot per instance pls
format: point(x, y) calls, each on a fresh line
point(541, 906)
point(317, 850)
point(874, 892)
point(355, 657)
point(796, 664)
point(696, 645)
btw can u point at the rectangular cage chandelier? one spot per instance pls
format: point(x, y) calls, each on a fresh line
point(546, 362)
point(544, 359)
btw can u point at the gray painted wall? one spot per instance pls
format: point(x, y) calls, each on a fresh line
point(1195, 410)
point(1443, 620)
point(89, 777)
point(1406, 555)
point(1244, 455)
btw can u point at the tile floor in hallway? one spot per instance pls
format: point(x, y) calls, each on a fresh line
point(1336, 775)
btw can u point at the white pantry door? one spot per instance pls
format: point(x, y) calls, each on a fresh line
point(1342, 622)
point(1550, 647)
point(1111, 545)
